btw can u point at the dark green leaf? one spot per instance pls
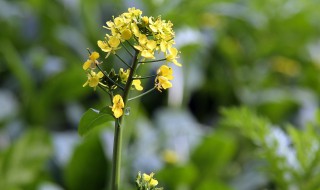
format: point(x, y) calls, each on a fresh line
point(85, 171)
point(93, 118)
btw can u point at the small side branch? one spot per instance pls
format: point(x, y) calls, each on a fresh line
point(145, 93)
point(146, 77)
point(152, 61)
point(126, 49)
point(123, 61)
point(103, 88)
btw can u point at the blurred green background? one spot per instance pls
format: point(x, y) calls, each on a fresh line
point(242, 113)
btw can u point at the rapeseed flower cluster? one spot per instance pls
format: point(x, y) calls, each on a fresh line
point(146, 182)
point(148, 38)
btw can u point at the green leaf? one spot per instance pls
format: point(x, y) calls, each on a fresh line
point(93, 118)
point(213, 154)
point(85, 171)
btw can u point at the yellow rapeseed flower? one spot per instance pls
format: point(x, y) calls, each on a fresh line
point(164, 83)
point(104, 46)
point(134, 11)
point(118, 106)
point(165, 45)
point(164, 74)
point(143, 39)
point(110, 46)
point(145, 20)
point(93, 79)
point(125, 26)
point(147, 177)
point(114, 42)
point(165, 71)
point(94, 55)
point(156, 26)
point(92, 61)
point(171, 57)
point(118, 22)
point(147, 47)
point(137, 84)
point(151, 44)
point(153, 183)
point(135, 29)
point(170, 156)
point(150, 180)
point(124, 74)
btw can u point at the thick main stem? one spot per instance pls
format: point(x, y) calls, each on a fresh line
point(116, 163)
point(115, 178)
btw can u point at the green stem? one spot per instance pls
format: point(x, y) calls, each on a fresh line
point(115, 178)
point(130, 78)
point(152, 61)
point(146, 77)
point(145, 93)
point(116, 166)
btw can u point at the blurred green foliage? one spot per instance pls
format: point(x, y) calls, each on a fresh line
point(22, 165)
point(261, 58)
point(87, 171)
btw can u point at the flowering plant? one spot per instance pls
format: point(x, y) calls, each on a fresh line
point(143, 39)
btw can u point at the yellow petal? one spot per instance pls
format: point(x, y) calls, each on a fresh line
point(165, 71)
point(153, 183)
point(173, 51)
point(135, 29)
point(151, 44)
point(110, 24)
point(163, 46)
point(94, 55)
point(104, 46)
point(164, 82)
point(118, 104)
point(94, 81)
point(138, 48)
point(146, 177)
point(126, 34)
point(143, 39)
point(124, 74)
point(137, 84)
point(176, 63)
point(169, 57)
point(117, 99)
point(114, 42)
point(86, 65)
point(100, 74)
point(118, 21)
point(145, 20)
point(117, 113)
point(147, 54)
point(153, 28)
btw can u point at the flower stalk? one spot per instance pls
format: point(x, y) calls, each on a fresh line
point(116, 162)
